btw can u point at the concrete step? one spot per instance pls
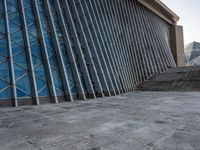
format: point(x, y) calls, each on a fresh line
point(174, 79)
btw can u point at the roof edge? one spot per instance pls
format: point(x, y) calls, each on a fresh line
point(161, 10)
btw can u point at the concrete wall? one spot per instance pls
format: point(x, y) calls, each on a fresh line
point(177, 45)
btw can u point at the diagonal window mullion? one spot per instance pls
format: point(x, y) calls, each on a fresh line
point(19, 78)
point(5, 88)
point(28, 94)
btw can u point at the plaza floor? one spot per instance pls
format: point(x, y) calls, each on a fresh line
point(134, 121)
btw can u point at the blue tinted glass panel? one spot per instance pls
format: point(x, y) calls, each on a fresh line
point(39, 71)
point(2, 59)
point(11, 8)
point(52, 60)
point(24, 84)
point(16, 48)
point(2, 25)
point(17, 37)
point(32, 39)
point(71, 83)
point(35, 60)
point(29, 21)
point(44, 92)
point(5, 94)
point(3, 47)
point(40, 84)
point(21, 93)
point(20, 59)
point(14, 2)
point(26, 3)
point(36, 50)
point(48, 42)
point(3, 85)
point(4, 72)
point(32, 30)
point(18, 71)
point(13, 27)
point(59, 93)
point(1, 7)
point(15, 17)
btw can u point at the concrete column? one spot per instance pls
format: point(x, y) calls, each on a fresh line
point(177, 45)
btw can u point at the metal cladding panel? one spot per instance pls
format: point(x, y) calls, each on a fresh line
point(65, 50)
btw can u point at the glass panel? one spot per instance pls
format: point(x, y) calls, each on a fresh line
point(21, 93)
point(71, 84)
point(44, 92)
point(40, 84)
point(4, 72)
point(24, 84)
point(5, 94)
point(1, 36)
point(36, 61)
point(15, 17)
point(11, 8)
point(17, 37)
point(2, 59)
point(13, 27)
point(20, 59)
point(26, 3)
point(14, 2)
point(32, 39)
point(29, 12)
point(59, 93)
point(3, 85)
point(2, 25)
point(48, 42)
point(39, 71)
point(32, 30)
point(36, 50)
point(18, 71)
point(1, 7)
point(52, 60)
point(16, 48)
point(74, 90)
point(29, 21)
point(3, 47)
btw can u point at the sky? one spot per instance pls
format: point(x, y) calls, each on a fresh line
point(189, 13)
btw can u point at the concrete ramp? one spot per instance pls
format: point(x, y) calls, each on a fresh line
point(174, 79)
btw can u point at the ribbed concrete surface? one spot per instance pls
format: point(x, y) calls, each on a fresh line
point(174, 79)
point(135, 121)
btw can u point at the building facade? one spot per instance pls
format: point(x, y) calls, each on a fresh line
point(65, 50)
point(192, 54)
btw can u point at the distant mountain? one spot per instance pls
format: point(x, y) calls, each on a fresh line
point(192, 54)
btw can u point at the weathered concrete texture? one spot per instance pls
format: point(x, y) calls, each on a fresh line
point(174, 79)
point(135, 121)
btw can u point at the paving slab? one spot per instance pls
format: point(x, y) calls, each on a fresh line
point(133, 121)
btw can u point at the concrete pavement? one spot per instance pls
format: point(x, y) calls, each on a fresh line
point(134, 121)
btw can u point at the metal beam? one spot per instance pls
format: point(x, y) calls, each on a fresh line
point(12, 73)
point(59, 56)
point(70, 53)
point(34, 95)
point(53, 95)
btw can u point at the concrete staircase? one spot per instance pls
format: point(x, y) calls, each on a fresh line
point(174, 79)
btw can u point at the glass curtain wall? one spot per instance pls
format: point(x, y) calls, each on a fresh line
point(19, 38)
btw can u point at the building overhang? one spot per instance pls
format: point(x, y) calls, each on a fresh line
point(161, 10)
